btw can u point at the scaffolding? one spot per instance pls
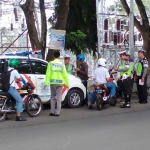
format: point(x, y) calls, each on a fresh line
point(113, 38)
point(13, 29)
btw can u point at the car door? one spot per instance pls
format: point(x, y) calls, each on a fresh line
point(26, 73)
point(39, 69)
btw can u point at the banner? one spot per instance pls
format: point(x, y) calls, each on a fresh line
point(57, 39)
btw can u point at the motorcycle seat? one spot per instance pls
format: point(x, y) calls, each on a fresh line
point(5, 95)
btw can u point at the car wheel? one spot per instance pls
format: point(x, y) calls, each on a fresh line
point(74, 98)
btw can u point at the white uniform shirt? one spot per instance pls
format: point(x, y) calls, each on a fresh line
point(14, 75)
point(101, 74)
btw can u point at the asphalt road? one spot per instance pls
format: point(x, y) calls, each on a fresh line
point(80, 129)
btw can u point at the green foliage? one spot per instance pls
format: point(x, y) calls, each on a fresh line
point(81, 30)
point(76, 41)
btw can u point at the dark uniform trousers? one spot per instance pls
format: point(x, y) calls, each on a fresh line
point(142, 90)
point(126, 87)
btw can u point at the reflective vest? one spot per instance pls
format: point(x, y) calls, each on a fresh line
point(139, 69)
point(70, 68)
point(56, 73)
point(140, 66)
point(128, 72)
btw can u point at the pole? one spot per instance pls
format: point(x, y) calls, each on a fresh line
point(98, 24)
point(131, 31)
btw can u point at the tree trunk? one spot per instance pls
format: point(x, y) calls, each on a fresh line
point(146, 46)
point(63, 10)
point(28, 9)
point(43, 28)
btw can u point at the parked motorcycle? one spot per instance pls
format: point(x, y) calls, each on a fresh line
point(103, 97)
point(32, 102)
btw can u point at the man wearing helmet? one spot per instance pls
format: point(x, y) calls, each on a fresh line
point(141, 77)
point(125, 79)
point(102, 76)
point(14, 75)
point(82, 73)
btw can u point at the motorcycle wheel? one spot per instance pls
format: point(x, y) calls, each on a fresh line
point(112, 101)
point(34, 106)
point(2, 114)
point(99, 102)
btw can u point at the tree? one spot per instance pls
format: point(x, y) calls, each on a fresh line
point(59, 19)
point(81, 26)
point(37, 43)
point(81, 29)
point(144, 27)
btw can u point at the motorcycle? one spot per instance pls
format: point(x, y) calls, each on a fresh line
point(102, 94)
point(32, 102)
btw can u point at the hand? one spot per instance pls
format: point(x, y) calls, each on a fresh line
point(17, 81)
point(44, 87)
point(142, 79)
point(116, 69)
point(135, 79)
point(77, 69)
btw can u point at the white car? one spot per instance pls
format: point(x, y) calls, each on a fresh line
point(34, 69)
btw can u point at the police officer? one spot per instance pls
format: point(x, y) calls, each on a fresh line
point(125, 79)
point(141, 77)
point(56, 76)
point(131, 65)
point(70, 68)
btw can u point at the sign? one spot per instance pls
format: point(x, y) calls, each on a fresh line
point(57, 39)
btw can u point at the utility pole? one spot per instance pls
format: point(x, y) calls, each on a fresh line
point(131, 31)
point(98, 24)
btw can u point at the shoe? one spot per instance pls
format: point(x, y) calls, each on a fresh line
point(19, 118)
point(90, 107)
point(57, 115)
point(125, 106)
point(51, 114)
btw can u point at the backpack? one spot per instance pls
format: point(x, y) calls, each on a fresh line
point(5, 79)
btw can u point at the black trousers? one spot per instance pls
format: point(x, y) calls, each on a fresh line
point(142, 90)
point(126, 86)
point(86, 98)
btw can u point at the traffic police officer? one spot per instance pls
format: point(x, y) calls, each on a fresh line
point(70, 68)
point(125, 79)
point(141, 77)
point(56, 76)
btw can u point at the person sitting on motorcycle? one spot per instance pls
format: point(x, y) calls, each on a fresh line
point(14, 75)
point(102, 76)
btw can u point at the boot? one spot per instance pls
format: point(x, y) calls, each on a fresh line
point(127, 101)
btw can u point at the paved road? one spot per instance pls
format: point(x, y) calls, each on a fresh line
point(80, 129)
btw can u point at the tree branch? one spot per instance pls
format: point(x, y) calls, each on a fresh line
point(142, 11)
point(127, 9)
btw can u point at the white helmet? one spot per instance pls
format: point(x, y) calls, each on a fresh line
point(102, 62)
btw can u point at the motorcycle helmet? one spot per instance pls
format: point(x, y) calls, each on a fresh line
point(81, 57)
point(13, 62)
point(102, 62)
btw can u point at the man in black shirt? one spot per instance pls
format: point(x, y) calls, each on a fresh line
point(82, 73)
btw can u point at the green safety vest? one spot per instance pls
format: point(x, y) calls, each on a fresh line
point(128, 72)
point(69, 69)
point(139, 69)
point(56, 73)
